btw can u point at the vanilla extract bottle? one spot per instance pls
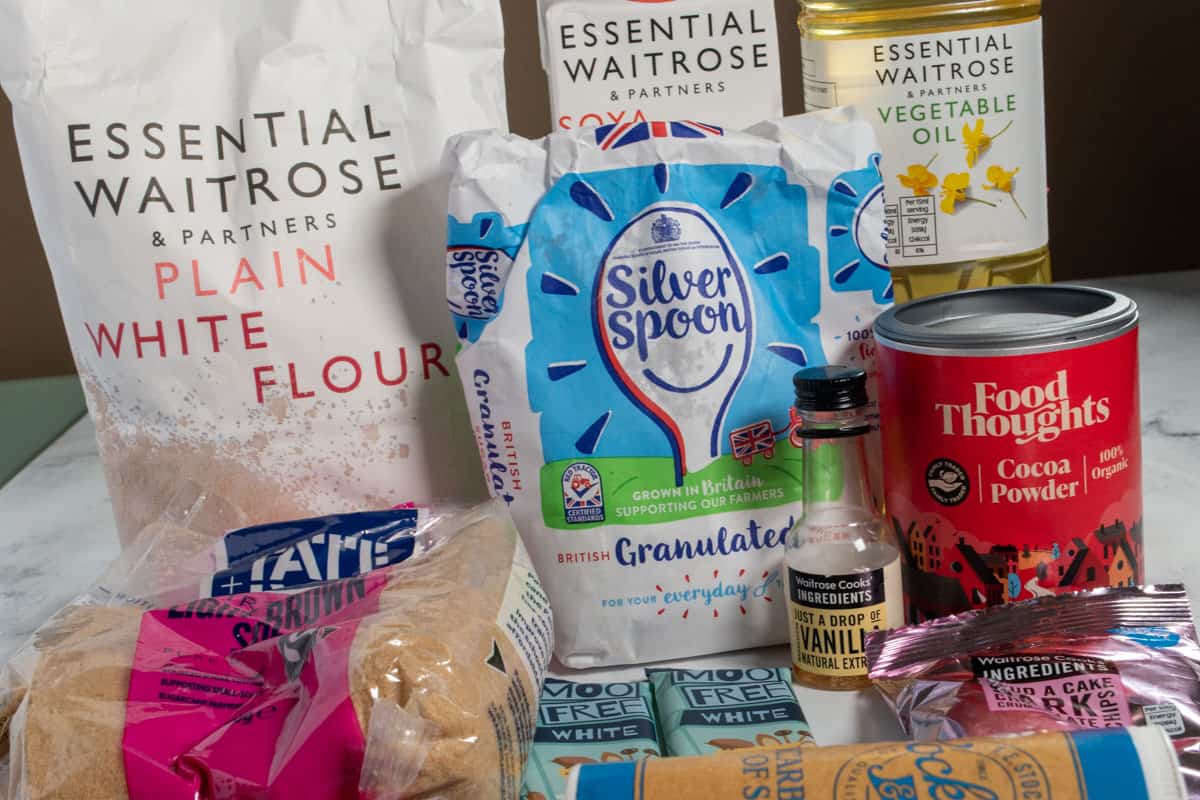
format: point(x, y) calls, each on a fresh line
point(842, 561)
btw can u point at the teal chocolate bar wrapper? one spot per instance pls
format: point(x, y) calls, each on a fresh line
point(588, 723)
point(706, 710)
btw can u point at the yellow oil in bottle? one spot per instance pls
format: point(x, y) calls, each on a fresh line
point(920, 281)
point(954, 89)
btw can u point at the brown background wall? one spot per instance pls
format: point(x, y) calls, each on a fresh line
point(1123, 167)
point(32, 338)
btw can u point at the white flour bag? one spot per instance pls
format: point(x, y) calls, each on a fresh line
point(632, 302)
point(239, 200)
point(616, 61)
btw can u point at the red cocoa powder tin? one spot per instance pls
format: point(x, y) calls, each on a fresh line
point(1011, 444)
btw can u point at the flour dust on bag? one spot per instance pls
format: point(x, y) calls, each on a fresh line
point(240, 237)
point(641, 296)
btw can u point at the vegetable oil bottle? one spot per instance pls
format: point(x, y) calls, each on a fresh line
point(954, 89)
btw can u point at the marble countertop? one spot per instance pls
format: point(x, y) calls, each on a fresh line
point(57, 531)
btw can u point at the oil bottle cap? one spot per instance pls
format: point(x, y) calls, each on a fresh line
point(831, 388)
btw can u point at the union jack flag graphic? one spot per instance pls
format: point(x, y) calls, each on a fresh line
point(610, 137)
point(750, 440)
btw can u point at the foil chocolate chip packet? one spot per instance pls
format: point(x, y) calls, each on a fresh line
point(708, 710)
point(1107, 658)
point(631, 303)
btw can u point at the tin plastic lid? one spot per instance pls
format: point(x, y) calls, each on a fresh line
point(1010, 318)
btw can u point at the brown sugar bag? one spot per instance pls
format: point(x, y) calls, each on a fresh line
point(441, 648)
point(74, 709)
point(418, 680)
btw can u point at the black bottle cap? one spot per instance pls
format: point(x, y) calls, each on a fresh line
point(831, 388)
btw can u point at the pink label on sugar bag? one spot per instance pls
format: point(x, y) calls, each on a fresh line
point(229, 696)
point(1081, 691)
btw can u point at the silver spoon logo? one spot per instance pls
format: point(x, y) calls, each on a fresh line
point(674, 321)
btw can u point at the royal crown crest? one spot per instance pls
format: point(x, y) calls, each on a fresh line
point(665, 229)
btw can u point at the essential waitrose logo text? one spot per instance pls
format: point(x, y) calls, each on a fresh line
point(674, 45)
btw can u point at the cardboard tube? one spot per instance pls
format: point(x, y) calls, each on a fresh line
point(1111, 764)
